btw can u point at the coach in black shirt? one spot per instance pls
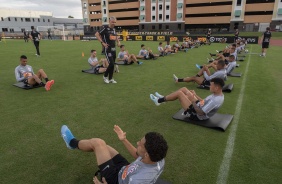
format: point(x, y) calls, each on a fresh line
point(35, 36)
point(108, 38)
point(265, 41)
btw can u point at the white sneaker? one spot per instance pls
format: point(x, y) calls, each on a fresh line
point(113, 81)
point(154, 99)
point(106, 80)
point(175, 78)
point(158, 95)
point(116, 69)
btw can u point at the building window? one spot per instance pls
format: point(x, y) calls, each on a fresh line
point(105, 11)
point(239, 2)
point(179, 26)
point(33, 20)
point(27, 19)
point(22, 19)
point(142, 27)
point(43, 20)
point(160, 16)
point(4, 29)
point(153, 27)
point(153, 17)
point(167, 17)
point(167, 7)
point(84, 5)
point(2, 19)
point(23, 30)
point(12, 30)
point(104, 3)
point(154, 8)
point(160, 26)
point(48, 20)
point(38, 20)
point(160, 7)
point(9, 19)
point(167, 27)
point(16, 19)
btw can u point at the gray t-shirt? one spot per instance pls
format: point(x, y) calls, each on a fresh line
point(230, 67)
point(210, 105)
point(138, 172)
point(121, 54)
point(21, 70)
point(143, 52)
point(218, 74)
point(160, 49)
point(92, 61)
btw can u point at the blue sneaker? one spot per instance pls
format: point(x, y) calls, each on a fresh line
point(158, 95)
point(140, 63)
point(67, 135)
point(154, 99)
point(198, 66)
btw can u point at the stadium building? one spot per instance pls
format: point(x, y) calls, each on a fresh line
point(183, 15)
point(15, 22)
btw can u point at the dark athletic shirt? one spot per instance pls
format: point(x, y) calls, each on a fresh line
point(266, 36)
point(108, 35)
point(35, 35)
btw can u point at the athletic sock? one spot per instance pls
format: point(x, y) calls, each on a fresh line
point(46, 79)
point(138, 62)
point(74, 143)
point(161, 100)
point(180, 80)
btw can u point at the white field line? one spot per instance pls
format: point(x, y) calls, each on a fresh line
point(225, 164)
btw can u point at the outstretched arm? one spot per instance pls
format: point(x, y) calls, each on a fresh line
point(122, 137)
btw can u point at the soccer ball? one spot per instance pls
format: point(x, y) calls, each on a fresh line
point(246, 51)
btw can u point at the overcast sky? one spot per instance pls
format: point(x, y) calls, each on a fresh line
point(60, 8)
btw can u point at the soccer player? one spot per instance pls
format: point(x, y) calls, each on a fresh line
point(146, 54)
point(265, 41)
point(24, 73)
point(205, 81)
point(49, 34)
point(195, 107)
point(26, 36)
point(162, 51)
point(208, 36)
point(114, 168)
point(98, 66)
point(108, 38)
point(127, 58)
point(35, 36)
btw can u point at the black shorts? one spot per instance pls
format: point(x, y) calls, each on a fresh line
point(96, 69)
point(208, 38)
point(128, 63)
point(265, 45)
point(206, 83)
point(192, 112)
point(111, 168)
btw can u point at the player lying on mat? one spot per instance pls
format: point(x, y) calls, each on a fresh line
point(205, 81)
point(114, 168)
point(24, 73)
point(97, 66)
point(127, 58)
point(195, 107)
point(230, 64)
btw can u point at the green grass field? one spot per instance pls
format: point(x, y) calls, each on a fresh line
point(32, 150)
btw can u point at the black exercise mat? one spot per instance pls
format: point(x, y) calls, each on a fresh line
point(122, 63)
point(217, 121)
point(25, 86)
point(233, 74)
point(226, 88)
point(160, 181)
point(91, 71)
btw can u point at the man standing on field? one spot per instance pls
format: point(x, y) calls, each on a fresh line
point(108, 38)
